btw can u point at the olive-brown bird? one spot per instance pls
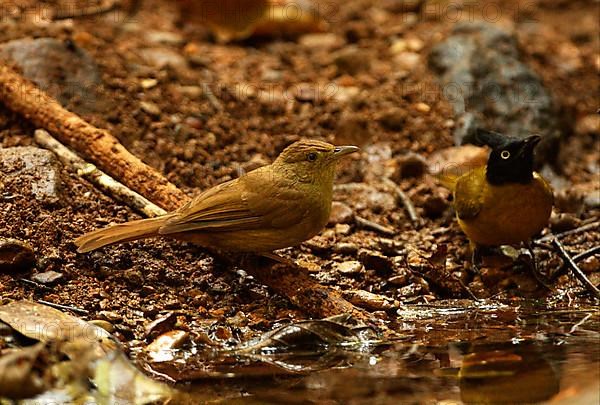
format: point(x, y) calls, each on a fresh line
point(505, 202)
point(270, 208)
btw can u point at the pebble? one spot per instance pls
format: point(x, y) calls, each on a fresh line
point(161, 348)
point(375, 260)
point(164, 37)
point(15, 255)
point(346, 248)
point(564, 222)
point(367, 300)
point(342, 229)
point(321, 40)
point(407, 60)
point(393, 119)
point(148, 83)
point(161, 324)
point(340, 213)
point(47, 277)
point(110, 316)
point(350, 267)
point(163, 57)
point(352, 60)
point(346, 94)
point(150, 108)
point(31, 169)
point(422, 107)
point(401, 278)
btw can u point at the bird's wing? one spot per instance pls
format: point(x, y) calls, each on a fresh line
point(239, 205)
point(469, 192)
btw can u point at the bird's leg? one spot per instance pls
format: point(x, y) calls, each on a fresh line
point(475, 258)
point(534, 269)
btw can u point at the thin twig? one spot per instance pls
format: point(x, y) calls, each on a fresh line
point(97, 177)
point(34, 284)
point(405, 200)
point(583, 228)
point(575, 269)
point(587, 253)
point(65, 307)
point(373, 226)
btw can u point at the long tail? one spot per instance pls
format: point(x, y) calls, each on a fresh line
point(128, 231)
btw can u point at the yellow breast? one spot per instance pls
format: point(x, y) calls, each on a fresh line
point(510, 213)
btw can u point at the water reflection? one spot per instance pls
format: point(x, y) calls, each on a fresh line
point(494, 355)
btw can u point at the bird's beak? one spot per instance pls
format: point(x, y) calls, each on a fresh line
point(530, 143)
point(340, 151)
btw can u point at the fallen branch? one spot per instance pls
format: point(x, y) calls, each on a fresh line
point(65, 307)
point(105, 151)
point(97, 177)
point(583, 228)
point(405, 200)
point(373, 226)
point(95, 144)
point(575, 269)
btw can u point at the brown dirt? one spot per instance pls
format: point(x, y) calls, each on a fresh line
point(197, 143)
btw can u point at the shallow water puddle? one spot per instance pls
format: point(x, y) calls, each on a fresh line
point(478, 353)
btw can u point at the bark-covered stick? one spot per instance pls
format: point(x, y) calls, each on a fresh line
point(97, 177)
point(93, 144)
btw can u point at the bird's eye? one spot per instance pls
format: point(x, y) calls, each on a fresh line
point(312, 156)
point(505, 154)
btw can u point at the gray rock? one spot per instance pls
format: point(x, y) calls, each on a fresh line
point(27, 169)
point(47, 277)
point(60, 68)
point(489, 86)
point(15, 255)
point(350, 267)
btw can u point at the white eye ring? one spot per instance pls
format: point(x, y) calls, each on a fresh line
point(505, 154)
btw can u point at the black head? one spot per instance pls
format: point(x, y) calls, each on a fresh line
point(511, 159)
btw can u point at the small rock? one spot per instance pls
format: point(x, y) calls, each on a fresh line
point(352, 60)
point(414, 44)
point(398, 46)
point(47, 277)
point(393, 119)
point(161, 325)
point(148, 83)
point(340, 213)
point(400, 279)
point(164, 37)
point(271, 75)
point(350, 267)
point(367, 300)
point(435, 205)
point(422, 108)
point(590, 264)
point(28, 169)
point(346, 94)
point(410, 165)
point(564, 222)
point(15, 255)
point(161, 348)
point(342, 229)
point(110, 316)
point(411, 290)
point(375, 261)
point(321, 40)
point(163, 57)
point(191, 91)
point(407, 60)
point(346, 248)
point(150, 108)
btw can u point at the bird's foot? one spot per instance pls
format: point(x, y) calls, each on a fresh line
point(476, 259)
point(541, 279)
